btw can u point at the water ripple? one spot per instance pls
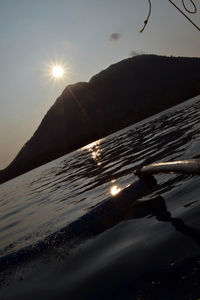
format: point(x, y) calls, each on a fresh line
point(47, 198)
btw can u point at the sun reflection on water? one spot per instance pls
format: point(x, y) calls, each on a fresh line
point(114, 190)
point(95, 150)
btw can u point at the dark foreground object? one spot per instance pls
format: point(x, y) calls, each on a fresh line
point(102, 217)
point(137, 274)
point(106, 214)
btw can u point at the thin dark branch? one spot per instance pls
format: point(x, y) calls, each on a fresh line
point(194, 11)
point(182, 12)
point(147, 19)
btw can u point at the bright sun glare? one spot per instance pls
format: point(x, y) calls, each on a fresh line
point(57, 71)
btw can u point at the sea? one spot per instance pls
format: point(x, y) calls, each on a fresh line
point(84, 226)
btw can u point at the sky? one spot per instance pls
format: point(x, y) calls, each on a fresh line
point(86, 36)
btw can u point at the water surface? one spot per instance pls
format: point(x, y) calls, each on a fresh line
point(154, 233)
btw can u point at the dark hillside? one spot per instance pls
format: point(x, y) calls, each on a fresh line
point(124, 93)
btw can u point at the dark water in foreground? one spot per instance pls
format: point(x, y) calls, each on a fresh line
point(145, 248)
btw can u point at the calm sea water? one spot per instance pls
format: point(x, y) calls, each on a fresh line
point(161, 230)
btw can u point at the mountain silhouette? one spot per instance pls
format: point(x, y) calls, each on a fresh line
point(124, 93)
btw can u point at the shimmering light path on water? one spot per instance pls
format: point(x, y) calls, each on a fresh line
point(46, 199)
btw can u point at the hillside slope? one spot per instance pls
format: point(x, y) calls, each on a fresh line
point(124, 93)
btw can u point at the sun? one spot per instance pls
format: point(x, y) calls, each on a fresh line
point(57, 72)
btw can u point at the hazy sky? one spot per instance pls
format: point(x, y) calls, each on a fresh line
point(84, 35)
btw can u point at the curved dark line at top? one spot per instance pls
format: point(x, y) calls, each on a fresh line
point(190, 166)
